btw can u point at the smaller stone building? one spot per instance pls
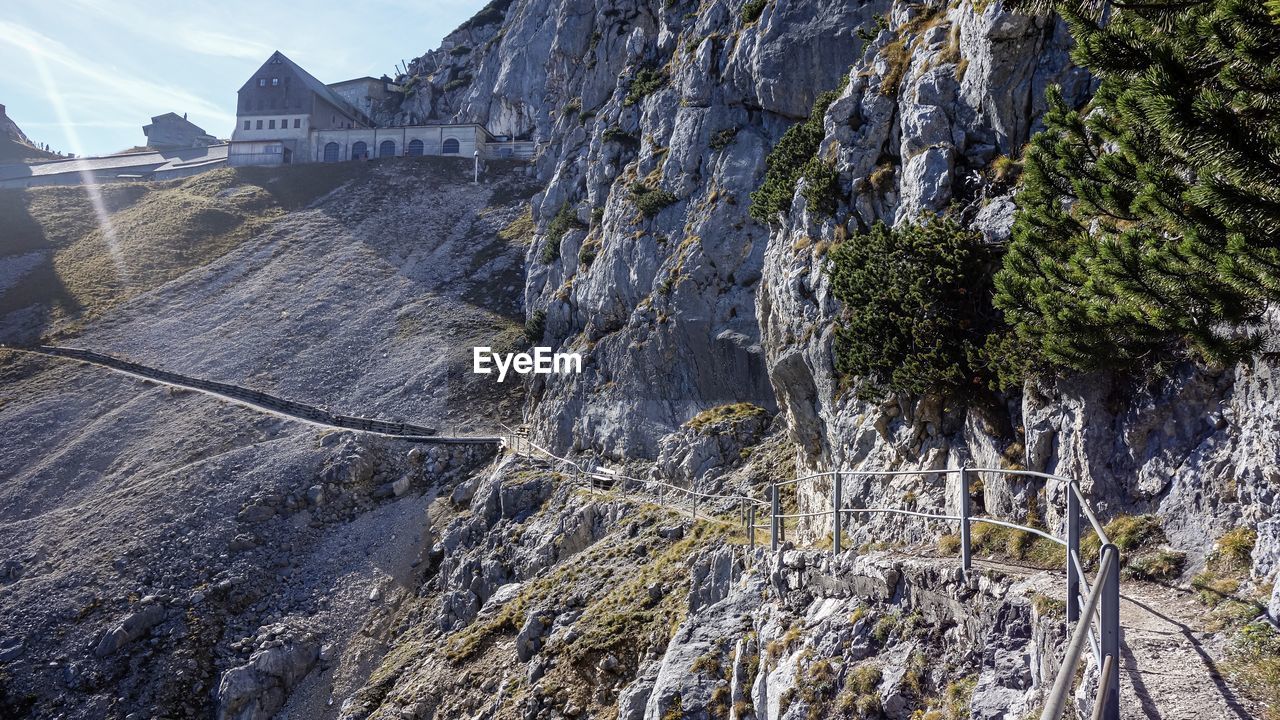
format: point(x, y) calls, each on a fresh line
point(363, 93)
point(170, 132)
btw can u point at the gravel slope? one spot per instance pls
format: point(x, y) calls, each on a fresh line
point(118, 495)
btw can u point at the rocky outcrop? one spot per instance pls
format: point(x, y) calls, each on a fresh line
point(131, 627)
point(257, 689)
point(784, 653)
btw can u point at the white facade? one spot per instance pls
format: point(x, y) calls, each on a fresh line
point(447, 140)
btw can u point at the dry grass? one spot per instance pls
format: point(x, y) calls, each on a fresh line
point(706, 420)
point(1255, 664)
point(521, 230)
point(154, 232)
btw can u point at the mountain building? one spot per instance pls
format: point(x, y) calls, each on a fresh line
point(284, 115)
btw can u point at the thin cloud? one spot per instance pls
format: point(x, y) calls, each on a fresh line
point(136, 90)
point(208, 42)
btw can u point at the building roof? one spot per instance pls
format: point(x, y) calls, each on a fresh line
point(310, 82)
point(140, 162)
point(365, 79)
point(172, 116)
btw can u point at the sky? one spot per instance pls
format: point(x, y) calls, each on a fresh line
point(84, 76)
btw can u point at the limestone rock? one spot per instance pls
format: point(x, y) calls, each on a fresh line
point(257, 689)
point(130, 628)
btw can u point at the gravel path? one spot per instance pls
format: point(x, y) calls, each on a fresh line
point(1191, 686)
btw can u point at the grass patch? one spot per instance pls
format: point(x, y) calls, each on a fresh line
point(1129, 533)
point(1254, 663)
point(861, 694)
point(158, 231)
point(993, 540)
point(521, 230)
point(1047, 606)
point(957, 699)
point(708, 420)
point(1159, 565)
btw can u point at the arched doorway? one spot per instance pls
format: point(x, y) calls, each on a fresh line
point(331, 152)
point(415, 148)
point(386, 148)
point(451, 146)
point(360, 151)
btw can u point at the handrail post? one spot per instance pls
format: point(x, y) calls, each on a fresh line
point(966, 550)
point(695, 508)
point(1073, 552)
point(835, 513)
point(751, 525)
point(1110, 631)
point(773, 517)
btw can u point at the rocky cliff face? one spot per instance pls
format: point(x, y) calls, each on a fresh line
point(654, 120)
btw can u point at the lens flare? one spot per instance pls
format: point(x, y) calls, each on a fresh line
point(86, 169)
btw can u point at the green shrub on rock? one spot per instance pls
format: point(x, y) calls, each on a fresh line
point(651, 201)
point(916, 307)
point(647, 80)
point(789, 159)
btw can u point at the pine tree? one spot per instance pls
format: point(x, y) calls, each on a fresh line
point(1149, 220)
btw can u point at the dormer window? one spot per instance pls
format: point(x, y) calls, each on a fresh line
point(275, 82)
point(262, 82)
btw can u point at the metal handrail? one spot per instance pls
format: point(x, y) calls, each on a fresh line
point(1056, 703)
point(1072, 486)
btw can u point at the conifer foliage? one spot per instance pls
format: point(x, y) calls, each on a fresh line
point(1149, 220)
point(916, 308)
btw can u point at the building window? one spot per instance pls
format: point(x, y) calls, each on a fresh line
point(246, 124)
point(451, 146)
point(259, 124)
point(331, 152)
point(359, 151)
point(387, 148)
point(262, 82)
point(415, 148)
point(275, 82)
point(284, 123)
point(297, 123)
point(271, 124)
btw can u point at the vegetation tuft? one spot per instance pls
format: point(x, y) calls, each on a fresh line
point(751, 10)
point(789, 159)
point(705, 421)
point(647, 80)
point(649, 200)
